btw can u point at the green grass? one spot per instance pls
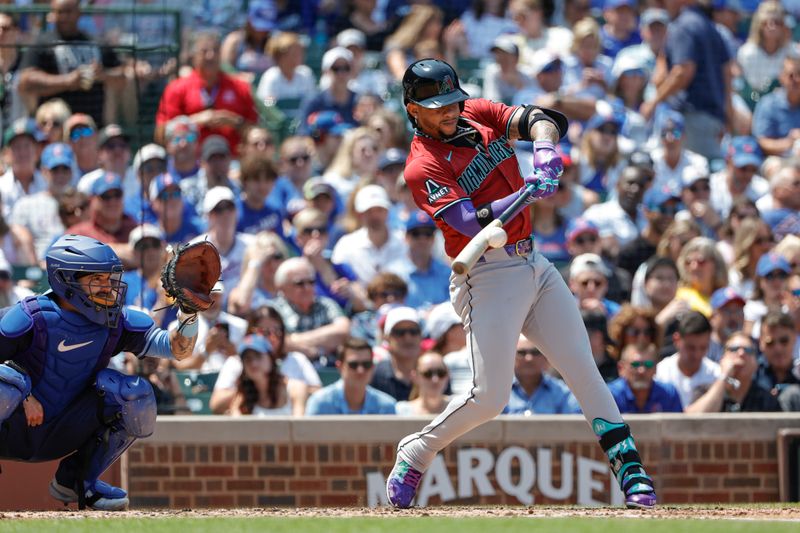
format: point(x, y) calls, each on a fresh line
point(395, 525)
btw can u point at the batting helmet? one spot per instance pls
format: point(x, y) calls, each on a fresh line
point(432, 83)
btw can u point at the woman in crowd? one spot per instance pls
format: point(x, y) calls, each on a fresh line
point(355, 161)
point(390, 128)
point(533, 33)
point(661, 286)
point(770, 291)
point(50, 118)
point(761, 56)
point(290, 77)
point(702, 271)
point(243, 50)
point(789, 247)
point(423, 22)
point(634, 325)
point(742, 209)
point(629, 80)
point(600, 161)
point(586, 70)
point(430, 379)
point(753, 238)
point(384, 291)
point(257, 285)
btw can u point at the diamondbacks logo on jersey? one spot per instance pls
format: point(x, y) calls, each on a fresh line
point(435, 191)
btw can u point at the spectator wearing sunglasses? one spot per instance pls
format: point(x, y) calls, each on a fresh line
point(427, 277)
point(743, 158)
point(80, 132)
point(403, 336)
point(315, 325)
point(219, 209)
point(215, 167)
point(51, 117)
point(149, 162)
point(352, 394)
point(534, 391)
point(583, 237)
point(737, 389)
point(144, 282)
point(182, 145)
point(779, 351)
point(770, 291)
point(257, 285)
point(781, 207)
point(38, 213)
point(430, 378)
point(696, 199)
point(108, 222)
point(337, 65)
point(637, 390)
point(588, 281)
point(727, 317)
point(173, 216)
point(115, 153)
point(670, 157)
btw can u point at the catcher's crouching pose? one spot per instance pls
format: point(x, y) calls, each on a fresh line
point(57, 398)
point(463, 171)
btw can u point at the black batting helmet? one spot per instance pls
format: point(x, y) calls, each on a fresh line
point(432, 83)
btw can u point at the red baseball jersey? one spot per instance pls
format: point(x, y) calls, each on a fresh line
point(441, 174)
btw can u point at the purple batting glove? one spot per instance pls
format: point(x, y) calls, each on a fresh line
point(548, 167)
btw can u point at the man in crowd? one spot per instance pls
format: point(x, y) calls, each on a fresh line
point(637, 390)
point(588, 281)
point(258, 175)
point(781, 207)
point(176, 219)
point(653, 29)
point(217, 103)
point(534, 391)
point(428, 278)
point(727, 317)
point(182, 143)
point(70, 65)
point(215, 166)
point(403, 333)
point(619, 31)
point(777, 344)
point(776, 121)
point(696, 199)
point(352, 394)
point(337, 63)
point(689, 370)
point(742, 161)
point(619, 219)
point(671, 158)
point(596, 325)
point(149, 162)
point(80, 131)
point(219, 207)
point(21, 178)
point(115, 154)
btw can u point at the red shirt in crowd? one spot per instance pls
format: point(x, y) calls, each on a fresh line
point(189, 95)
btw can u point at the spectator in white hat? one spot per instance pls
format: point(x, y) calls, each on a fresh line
point(149, 162)
point(588, 281)
point(403, 332)
point(503, 78)
point(373, 247)
point(338, 64)
point(144, 282)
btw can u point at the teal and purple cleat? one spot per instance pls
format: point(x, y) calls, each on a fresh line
point(401, 487)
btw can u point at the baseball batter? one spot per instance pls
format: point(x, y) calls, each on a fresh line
point(463, 172)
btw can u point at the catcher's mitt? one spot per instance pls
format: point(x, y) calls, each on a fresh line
point(190, 275)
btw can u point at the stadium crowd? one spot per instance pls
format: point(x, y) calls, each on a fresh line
point(280, 136)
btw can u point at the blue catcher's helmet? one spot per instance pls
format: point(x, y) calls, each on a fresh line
point(72, 257)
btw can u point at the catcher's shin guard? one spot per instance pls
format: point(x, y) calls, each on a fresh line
point(128, 410)
point(617, 442)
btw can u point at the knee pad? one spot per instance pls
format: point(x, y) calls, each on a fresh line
point(132, 400)
point(14, 387)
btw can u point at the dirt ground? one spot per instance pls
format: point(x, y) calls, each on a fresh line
point(772, 512)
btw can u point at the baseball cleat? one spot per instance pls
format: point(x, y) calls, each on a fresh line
point(401, 487)
point(101, 497)
point(644, 500)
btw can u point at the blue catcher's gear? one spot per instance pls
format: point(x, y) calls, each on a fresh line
point(15, 386)
point(128, 411)
point(73, 256)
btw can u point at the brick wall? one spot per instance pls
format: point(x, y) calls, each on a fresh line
point(219, 462)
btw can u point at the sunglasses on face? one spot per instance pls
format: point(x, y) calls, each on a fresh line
point(5, 275)
point(776, 275)
point(189, 138)
point(153, 167)
point(390, 294)
point(400, 332)
point(52, 123)
point(419, 233)
point(440, 373)
point(783, 341)
point(796, 293)
point(699, 261)
point(310, 231)
point(223, 208)
point(277, 256)
point(304, 283)
point(353, 365)
point(608, 130)
point(594, 282)
point(341, 68)
point(111, 195)
point(170, 195)
point(700, 187)
point(148, 244)
point(73, 212)
point(676, 134)
point(635, 332)
point(79, 132)
point(590, 238)
point(668, 210)
point(749, 350)
point(646, 364)
point(522, 352)
point(115, 145)
point(298, 159)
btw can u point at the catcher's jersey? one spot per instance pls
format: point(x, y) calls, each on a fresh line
point(442, 173)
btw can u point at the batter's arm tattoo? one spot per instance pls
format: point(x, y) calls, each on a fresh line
point(530, 123)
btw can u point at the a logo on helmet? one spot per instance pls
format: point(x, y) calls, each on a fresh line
point(446, 85)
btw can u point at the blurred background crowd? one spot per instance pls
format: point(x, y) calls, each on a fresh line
point(276, 130)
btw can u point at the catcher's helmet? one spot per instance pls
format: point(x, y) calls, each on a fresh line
point(432, 83)
point(72, 256)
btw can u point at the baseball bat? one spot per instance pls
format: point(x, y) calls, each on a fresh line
point(477, 246)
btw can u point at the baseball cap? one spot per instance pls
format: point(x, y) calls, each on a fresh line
point(392, 156)
point(653, 15)
point(21, 127)
point(397, 315)
point(771, 262)
point(316, 186)
point(505, 43)
point(441, 318)
point(544, 60)
point(629, 64)
point(690, 175)
point(110, 132)
point(599, 120)
point(658, 195)
point(216, 196)
point(56, 155)
point(256, 342)
point(587, 263)
point(261, 14)
point(78, 119)
point(351, 37)
point(595, 320)
point(214, 145)
point(579, 226)
point(670, 120)
point(724, 296)
point(641, 159)
point(179, 124)
point(144, 231)
point(335, 54)
point(147, 153)
point(744, 150)
point(371, 196)
point(613, 4)
point(104, 182)
point(419, 219)
point(160, 183)
point(327, 122)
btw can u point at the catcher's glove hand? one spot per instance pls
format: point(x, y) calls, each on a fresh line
point(190, 274)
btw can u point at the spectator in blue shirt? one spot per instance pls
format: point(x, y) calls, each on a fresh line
point(176, 219)
point(338, 64)
point(428, 278)
point(776, 121)
point(352, 395)
point(620, 29)
point(636, 390)
point(258, 175)
point(534, 391)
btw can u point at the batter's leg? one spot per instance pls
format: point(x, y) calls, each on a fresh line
point(555, 326)
point(492, 302)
